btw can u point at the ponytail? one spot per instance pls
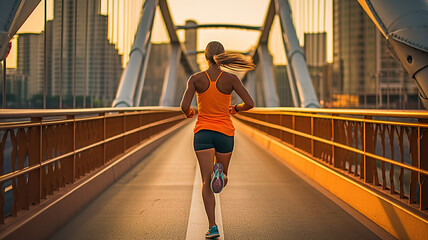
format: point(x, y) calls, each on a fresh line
point(234, 61)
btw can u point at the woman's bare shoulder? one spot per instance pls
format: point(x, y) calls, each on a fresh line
point(197, 76)
point(230, 77)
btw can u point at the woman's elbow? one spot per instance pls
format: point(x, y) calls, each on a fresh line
point(250, 105)
point(184, 107)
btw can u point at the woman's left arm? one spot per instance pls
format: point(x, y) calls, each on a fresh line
point(187, 98)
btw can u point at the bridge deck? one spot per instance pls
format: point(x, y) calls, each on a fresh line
point(264, 200)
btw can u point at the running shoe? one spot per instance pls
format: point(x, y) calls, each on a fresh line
point(217, 182)
point(212, 232)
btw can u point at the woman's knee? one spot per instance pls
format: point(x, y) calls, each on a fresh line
point(206, 181)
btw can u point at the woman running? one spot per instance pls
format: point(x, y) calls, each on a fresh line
point(214, 132)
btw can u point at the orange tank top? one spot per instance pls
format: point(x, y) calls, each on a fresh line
point(213, 107)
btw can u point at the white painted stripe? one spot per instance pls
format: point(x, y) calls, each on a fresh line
point(218, 217)
point(198, 221)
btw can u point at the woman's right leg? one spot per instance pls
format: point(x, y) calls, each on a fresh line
point(206, 163)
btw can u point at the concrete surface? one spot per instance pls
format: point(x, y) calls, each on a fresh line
point(264, 200)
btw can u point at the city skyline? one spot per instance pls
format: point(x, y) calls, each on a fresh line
point(75, 64)
point(367, 80)
point(253, 13)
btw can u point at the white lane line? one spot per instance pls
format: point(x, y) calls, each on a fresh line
point(218, 217)
point(198, 221)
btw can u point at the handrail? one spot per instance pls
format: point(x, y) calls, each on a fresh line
point(346, 140)
point(358, 112)
point(9, 176)
point(285, 129)
point(34, 113)
point(57, 147)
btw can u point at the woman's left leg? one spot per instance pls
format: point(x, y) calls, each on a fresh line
point(206, 162)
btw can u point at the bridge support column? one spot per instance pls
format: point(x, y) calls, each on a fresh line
point(292, 82)
point(251, 84)
point(132, 80)
point(140, 83)
point(269, 87)
point(170, 80)
point(296, 56)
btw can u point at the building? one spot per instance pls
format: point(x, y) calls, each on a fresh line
point(81, 64)
point(191, 39)
point(158, 63)
point(84, 62)
point(396, 88)
point(30, 63)
point(315, 47)
point(80, 61)
point(157, 66)
point(283, 86)
point(362, 66)
point(16, 88)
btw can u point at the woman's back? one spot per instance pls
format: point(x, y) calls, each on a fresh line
point(213, 96)
point(224, 83)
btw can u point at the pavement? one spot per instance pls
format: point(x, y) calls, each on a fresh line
point(160, 199)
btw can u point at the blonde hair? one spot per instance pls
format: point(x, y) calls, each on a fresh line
point(214, 53)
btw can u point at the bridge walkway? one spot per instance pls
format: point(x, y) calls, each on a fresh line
point(265, 199)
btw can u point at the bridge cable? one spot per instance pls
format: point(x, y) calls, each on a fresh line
point(124, 29)
point(74, 54)
point(45, 59)
point(108, 21)
point(325, 30)
point(61, 54)
point(117, 24)
point(318, 50)
point(128, 26)
point(313, 36)
point(86, 56)
point(304, 19)
point(4, 83)
point(112, 21)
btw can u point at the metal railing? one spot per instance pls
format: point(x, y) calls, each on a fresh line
point(44, 150)
point(385, 149)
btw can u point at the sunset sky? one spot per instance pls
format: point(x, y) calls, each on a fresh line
point(244, 12)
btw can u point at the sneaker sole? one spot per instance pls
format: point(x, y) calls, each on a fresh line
point(213, 236)
point(217, 183)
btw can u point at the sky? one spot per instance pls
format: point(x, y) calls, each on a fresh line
point(306, 18)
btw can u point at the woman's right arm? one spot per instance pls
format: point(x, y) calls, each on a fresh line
point(242, 92)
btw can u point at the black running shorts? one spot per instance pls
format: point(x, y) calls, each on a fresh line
point(206, 139)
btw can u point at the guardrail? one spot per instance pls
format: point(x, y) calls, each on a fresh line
point(44, 150)
point(385, 149)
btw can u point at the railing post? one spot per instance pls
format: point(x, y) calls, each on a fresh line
point(123, 131)
point(364, 170)
point(74, 146)
point(423, 164)
point(39, 157)
point(104, 136)
point(140, 119)
point(333, 140)
point(414, 154)
point(281, 132)
point(312, 135)
point(369, 163)
point(293, 121)
point(39, 119)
